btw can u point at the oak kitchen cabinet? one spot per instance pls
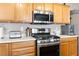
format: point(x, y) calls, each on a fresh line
point(7, 12)
point(58, 13)
point(4, 49)
point(38, 6)
point(73, 47)
point(68, 46)
point(66, 14)
point(23, 48)
point(64, 49)
point(23, 12)
point(49, 7)
point(43, 6)
point(61, 14)
point(11, 12)
point(26, 48)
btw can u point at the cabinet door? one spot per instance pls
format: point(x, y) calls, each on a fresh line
point(26, 48)
point(38, 6)
point(73, 48)
point(24, 12)
point(57, 13)
point(7, 12)
point(66, 14)
point(3, 49)
point(64, 49)
point(49, 7)
point(23, 51)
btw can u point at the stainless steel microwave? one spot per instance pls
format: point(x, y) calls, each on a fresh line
point(42, 17)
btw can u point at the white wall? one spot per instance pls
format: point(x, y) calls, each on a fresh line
point(73, 6)
point(22, 27)
point(75, 22)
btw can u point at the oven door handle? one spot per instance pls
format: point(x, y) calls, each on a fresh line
point(47, 44)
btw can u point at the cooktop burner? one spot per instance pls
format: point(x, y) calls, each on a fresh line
point(47, 38)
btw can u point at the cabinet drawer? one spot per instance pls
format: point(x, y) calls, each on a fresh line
point(30, 54)
point(23, 51)
point(68, 39)
point(23, 44)
point(64, 39)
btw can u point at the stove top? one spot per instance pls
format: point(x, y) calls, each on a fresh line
point(47, 38)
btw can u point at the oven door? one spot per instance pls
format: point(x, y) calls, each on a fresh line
point(48, 50)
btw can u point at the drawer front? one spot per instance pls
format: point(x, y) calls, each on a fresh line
point(23, 44)
point(23, 51)
point(68, 39)
point(72, 38)
point(30, 54)
point(64, 39)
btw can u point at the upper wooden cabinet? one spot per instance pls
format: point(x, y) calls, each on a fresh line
point(7, 11)
point(38, 6)
point(49, 7)
point(66, 14)
point(43, 6)
point(61, 14)
point(58, 13)
point(23, 12)
point(27, 48)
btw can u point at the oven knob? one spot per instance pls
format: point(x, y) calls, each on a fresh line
point(45, 41)
point(57, 39)
point(52, 40)
point(38, 41)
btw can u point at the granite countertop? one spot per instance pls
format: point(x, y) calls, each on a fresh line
point(16, 40)
point(67, 36)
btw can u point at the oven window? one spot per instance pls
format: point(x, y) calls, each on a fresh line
point(41, 17)
point(49, 50)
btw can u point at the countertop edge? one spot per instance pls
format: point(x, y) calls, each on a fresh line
point(16, 40)
point(67, 36)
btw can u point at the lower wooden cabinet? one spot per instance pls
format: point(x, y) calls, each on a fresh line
point(26, 48)
point(68, 47)
point(23, 48)
point(64, 49)
point(73, 48)
point(4, 50)
point(23, 51)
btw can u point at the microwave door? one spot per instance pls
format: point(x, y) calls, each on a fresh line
point(41, 18)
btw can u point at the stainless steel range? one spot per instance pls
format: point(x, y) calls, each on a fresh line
point(47, 45)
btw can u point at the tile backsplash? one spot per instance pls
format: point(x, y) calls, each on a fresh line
point(22, 27)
